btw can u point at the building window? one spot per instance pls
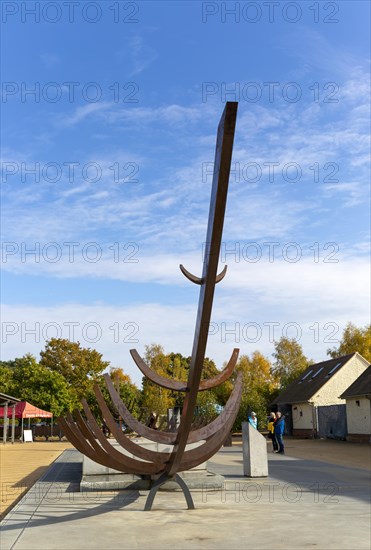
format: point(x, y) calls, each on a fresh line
point(316, 373)
point(333, 369)
point(357, 403)
point(306, 375)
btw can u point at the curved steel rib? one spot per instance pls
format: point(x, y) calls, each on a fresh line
point(82, 436)
point(199, 280)
point(126, 463)
point(177, 385)
point(194, 457)
point(76, 437)
point(169, 437)
point(205, 451)
point(153, 435)
point(88, 439)
point(192, 278)
point(92, 451)
point(105, 455)
point(81, 445)
point(125, 442)
point(168, 383)
point(223, 375)
point(221, 275)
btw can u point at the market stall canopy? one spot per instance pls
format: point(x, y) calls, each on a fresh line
point(26, 410)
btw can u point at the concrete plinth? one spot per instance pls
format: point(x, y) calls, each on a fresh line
point(97, 477)
point(254, 448)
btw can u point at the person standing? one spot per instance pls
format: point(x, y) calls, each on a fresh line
point(152, 421)
point(279, 428)
point(271, 433)
point(253, 420)
point(105, 429)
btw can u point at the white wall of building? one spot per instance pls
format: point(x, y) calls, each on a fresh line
point(359, 416)
point(302, 416)
point(339, 381)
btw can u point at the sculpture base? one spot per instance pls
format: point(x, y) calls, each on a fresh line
point(96, 477)
point(205, 481)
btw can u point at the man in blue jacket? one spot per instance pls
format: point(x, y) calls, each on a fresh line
point(279, 428)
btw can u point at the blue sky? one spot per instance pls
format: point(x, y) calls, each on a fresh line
point(106, 173)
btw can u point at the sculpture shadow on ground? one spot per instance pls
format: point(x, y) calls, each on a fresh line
point(68, 504)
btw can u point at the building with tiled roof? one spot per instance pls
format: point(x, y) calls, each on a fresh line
point(314, 404)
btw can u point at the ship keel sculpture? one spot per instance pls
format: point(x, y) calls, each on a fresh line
point(85, 433)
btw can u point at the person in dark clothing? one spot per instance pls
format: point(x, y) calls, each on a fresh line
point(271, 433)
point(105, 429)
point(279, 428)
point(152, 421)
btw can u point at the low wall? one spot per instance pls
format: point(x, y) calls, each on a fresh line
point(37, 431)
point(359, 438)
point(303, 433)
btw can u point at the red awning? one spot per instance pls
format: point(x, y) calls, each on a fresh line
point(26, 410)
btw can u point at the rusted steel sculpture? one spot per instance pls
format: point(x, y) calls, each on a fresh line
point(85, 433)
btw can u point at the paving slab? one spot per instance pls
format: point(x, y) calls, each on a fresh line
point(21, 465)
point(302, 504)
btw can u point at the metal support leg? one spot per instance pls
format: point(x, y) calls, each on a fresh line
point(161, 481)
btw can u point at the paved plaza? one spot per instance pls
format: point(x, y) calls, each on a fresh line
point(304, 503)
point(21, 465)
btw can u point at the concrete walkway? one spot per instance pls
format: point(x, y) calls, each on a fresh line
point(303, 504)
point(21, 465)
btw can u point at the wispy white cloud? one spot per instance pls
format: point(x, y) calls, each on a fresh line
point(81, 113)
point(280, 135)
point(318, 53)
point(354, 192)
point(112, 331)
point(309, 300)
point(142, 55)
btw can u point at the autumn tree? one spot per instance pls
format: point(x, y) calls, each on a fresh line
point(155, 398)
point(206, 407)
point(258, 384)
point(220, 394)
point(175, 365)
point(42, 387)
point(178, 368)
point(354, 339)
point(81, 367)
point(290, 361)
point(6, 377)
point(129, 393)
